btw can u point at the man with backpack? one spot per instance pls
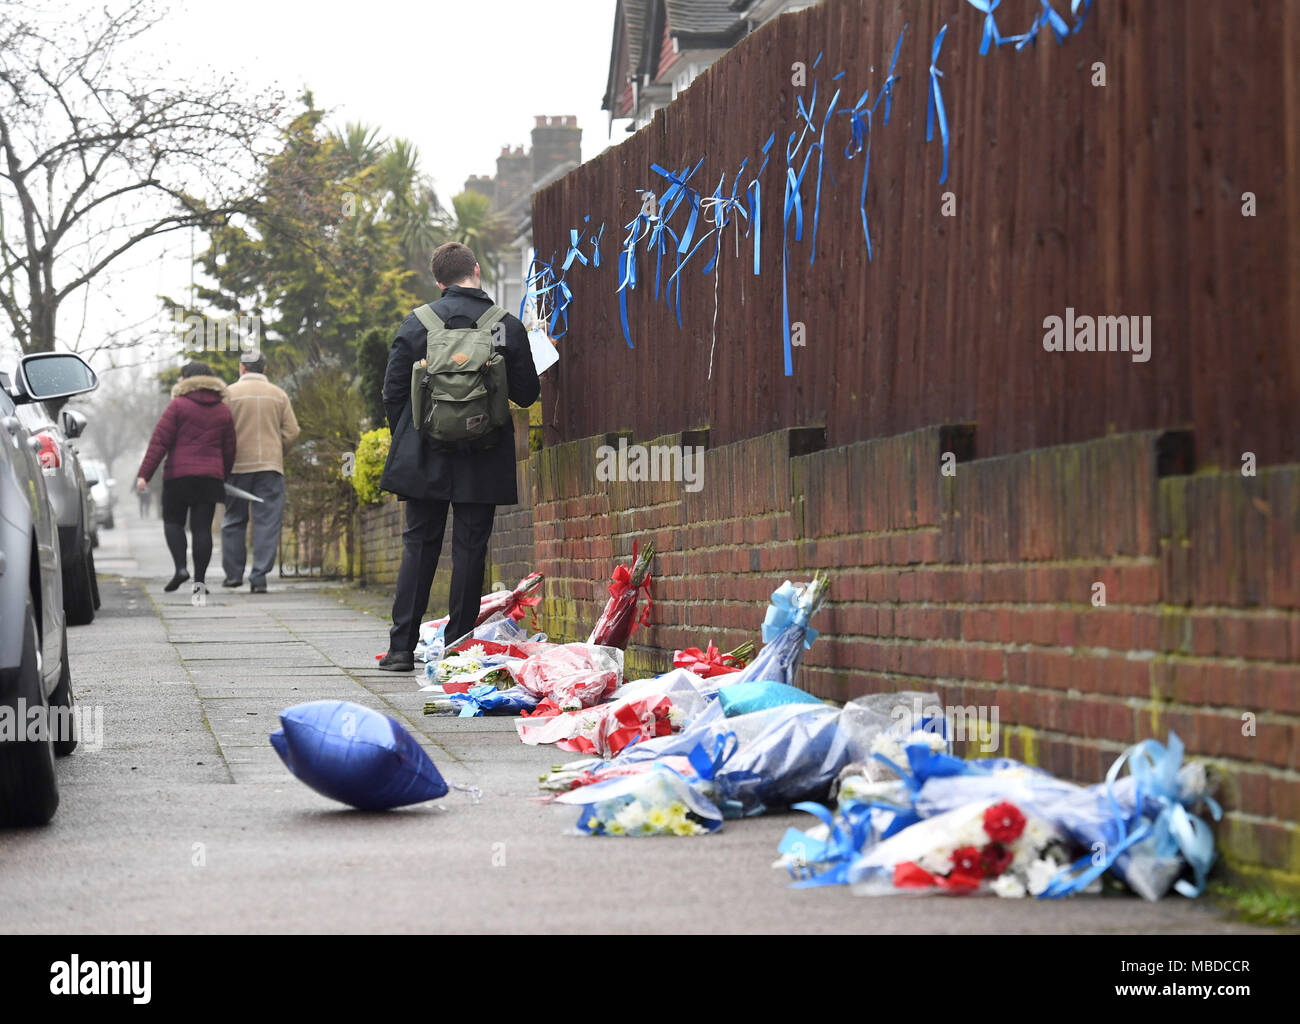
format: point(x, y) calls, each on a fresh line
point(451, 369)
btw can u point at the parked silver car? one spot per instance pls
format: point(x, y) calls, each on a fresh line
point(34, 672)
point(101, 493)
point(73, 508)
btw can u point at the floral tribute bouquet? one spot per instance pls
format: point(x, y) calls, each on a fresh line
point(483, 699)
point(986, 844)
point(499, 643)
point(786, 632)
point(568, 677)
point(512, 604)
point(657, 802)
point(1140, 827)
point(606, 729)
point(575, 774)
point(711, 662)
point(617, 622)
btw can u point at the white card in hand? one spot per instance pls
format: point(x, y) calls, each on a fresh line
point(545, 354)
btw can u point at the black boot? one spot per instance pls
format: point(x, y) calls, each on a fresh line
point(397, 661)
point(181, 576)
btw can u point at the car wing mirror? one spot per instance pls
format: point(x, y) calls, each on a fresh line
point(74, 423)
point(46, 375)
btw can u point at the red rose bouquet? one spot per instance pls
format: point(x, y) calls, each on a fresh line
point(619, 619)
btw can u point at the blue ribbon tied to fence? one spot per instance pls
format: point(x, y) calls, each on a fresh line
point(991, 36)
point(637, 228)
point(935, 106)
point(755, 198)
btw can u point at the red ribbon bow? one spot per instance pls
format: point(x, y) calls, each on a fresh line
point(621, 582)
point(705, 664)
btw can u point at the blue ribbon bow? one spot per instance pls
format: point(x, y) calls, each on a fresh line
point(788, 608)
point(1155, 772)
point(991, 35)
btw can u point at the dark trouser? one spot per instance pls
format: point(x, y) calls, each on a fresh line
point(197, 497)
point(201, 528)
point(426, 522)
point(268, 485)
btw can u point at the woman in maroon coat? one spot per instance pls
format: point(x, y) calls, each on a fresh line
point(196, 434)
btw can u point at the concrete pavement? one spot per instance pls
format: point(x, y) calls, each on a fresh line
point(187, 821)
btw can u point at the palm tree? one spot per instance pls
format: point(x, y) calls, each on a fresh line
point(476, 224)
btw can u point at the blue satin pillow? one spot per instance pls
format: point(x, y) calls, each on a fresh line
point(758, 695)
point(356, 756)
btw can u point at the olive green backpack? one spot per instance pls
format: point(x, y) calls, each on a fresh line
point(459, 390)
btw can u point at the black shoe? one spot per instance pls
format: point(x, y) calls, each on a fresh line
point(232, 583)
point(175, 582)
point(397, 661)
point(257, 588)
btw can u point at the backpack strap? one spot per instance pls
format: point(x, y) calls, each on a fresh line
point(430, 319)
point(493, 316)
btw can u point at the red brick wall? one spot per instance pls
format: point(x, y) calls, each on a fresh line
point(979, 586)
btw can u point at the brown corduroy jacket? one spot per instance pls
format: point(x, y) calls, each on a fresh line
point(265, 425)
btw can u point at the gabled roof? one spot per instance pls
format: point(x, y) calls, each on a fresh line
point(703, 17)
point(642, 26)
point(629, 33)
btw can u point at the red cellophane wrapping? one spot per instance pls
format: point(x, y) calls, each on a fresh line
point(616, 623)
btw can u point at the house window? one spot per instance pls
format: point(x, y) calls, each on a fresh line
point(684, 79)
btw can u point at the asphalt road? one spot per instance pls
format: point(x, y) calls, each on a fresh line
point(185, 820)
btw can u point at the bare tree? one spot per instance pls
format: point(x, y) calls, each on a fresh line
point(122, 413)
point(98, 154)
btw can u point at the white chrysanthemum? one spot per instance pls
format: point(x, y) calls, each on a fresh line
point(860, 789)
point(1023, 855)
point(971, 833)
point(676, 716)
point(1009, 886)
point(631, 817)
point(925, 737)
point(937, 861)
point(1040, 873)
point(1037, 834)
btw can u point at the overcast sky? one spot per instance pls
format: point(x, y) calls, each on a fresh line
point(459, 80)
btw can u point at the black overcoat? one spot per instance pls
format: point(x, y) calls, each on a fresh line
point(415, 469)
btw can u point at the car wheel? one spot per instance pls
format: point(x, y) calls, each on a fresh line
point(79, 590)
point(61, 701)
point(29, 792)
point(94, 582)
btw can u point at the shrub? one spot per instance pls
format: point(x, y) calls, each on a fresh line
point(372, 364)
point(372, 450)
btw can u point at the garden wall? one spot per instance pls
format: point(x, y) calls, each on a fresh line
point(982, 586)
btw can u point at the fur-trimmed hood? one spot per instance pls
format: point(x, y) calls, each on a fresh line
point(200, 383)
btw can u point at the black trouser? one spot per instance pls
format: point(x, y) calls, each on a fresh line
point(197, 498)
point(426, 522)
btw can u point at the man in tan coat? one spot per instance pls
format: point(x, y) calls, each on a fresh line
point(265, 427)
